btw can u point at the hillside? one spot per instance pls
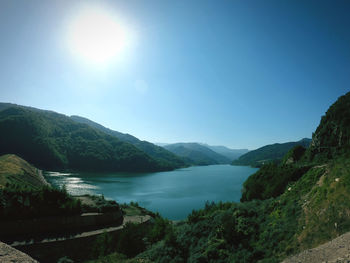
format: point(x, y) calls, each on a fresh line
point(197, 154)
point(158, 153)
point(16, 171)
point(53, 141)
point(298, 204)
point(332, 136)
point(231, 154)
point(269, 153)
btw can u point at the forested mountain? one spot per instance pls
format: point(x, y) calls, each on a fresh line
point(54, 141)
point(197, 154)
point(159, 153)
point(231, 154)
point(288, 207)
point(269, 153)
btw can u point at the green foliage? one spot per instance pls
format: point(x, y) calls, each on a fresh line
point(102, 246)
point(269, 153)
point(97, 204)
point(294, 155)
point(20, 203)
point(130, 241)
point(164, 157)
point(332, 136)
point(270, 181)
point(133, 238)
point(230, 232)
point(304, 203)
point(54, 141)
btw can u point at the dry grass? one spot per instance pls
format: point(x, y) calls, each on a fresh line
point(16, 171)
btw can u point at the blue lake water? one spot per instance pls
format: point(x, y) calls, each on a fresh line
point(173, 194)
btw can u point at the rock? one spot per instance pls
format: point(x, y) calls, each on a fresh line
point(10, 255)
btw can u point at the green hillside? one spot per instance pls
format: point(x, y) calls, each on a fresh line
point(332, 136)
point(197, 154)
point(269, 153)
point(15, 171)
point(288, 207)
point(158, 153)
point(53, 141)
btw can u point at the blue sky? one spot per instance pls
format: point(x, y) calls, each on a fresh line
point(237, 73)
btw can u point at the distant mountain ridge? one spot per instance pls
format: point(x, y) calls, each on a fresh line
point(197, 154)
point(269, 153)
point(156, 152)
point(231, 154)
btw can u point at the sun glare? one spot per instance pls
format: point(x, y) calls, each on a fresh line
point(97, 36)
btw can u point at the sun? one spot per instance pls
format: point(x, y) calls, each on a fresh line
point(96, 36)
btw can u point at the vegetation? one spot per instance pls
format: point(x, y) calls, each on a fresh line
point(168, 159)
point(96, 203)
point(269, 153)
point(197, 154)
point(25, 194)
point(271, 181)
point(332, 136)
point(131, 241)
point(17, 202)
point(53, 141)
point(16, 171)
point(297, 204)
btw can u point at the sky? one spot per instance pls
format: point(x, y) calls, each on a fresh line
point(239, 73)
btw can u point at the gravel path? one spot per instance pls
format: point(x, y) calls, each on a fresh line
point(335, 251)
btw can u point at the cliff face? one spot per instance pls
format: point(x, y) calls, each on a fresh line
point(332, 137)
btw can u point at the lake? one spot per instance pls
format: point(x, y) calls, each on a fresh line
point(173, 194)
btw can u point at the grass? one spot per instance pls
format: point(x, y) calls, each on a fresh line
point(16, 171)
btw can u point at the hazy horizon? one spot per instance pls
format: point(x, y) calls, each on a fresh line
point(233, 73)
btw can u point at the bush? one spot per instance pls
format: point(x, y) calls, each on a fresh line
point(21, 203)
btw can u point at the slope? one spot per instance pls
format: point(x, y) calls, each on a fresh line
point(311, 206)
point(163, 156)
point(197, 154)
point(16, 171)
point(269, 153)
point(53, 141)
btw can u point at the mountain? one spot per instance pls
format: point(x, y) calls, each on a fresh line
point(295, 205)
point(231, 154)
point(160, 154)
point(197, 154)
point(269, 153)
point(50, 141)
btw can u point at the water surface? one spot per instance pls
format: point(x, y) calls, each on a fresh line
point(173, 194)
